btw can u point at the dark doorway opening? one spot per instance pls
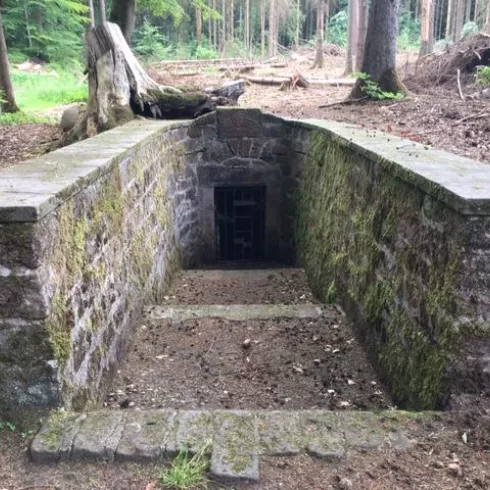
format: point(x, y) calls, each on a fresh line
point(240, 222)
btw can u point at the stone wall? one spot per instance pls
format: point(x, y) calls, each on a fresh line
point(88, 234)
point(399, 234)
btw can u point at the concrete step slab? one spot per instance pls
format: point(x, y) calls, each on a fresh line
point(178, 314)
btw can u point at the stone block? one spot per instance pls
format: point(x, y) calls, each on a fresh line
point(98, 436)
point(362, 430)
point(280, 433)
point(239, 123)
point(147, 436)
point(323, 435)
point(235, 456)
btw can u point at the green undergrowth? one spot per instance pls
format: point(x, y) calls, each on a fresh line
point(40, 91)
point(21, 117)
point(187, 472)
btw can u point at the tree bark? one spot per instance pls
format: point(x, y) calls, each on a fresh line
point(272, 28)
point(320, 26)
point(247, 25)
point(7, 98)
point(262, 28)
point(450, 20)
point(352, 34)
point(215, 28)
point(198, 27)
point(459, 19)
point(427, 28)
point(361, 38)
point(380, 52)
point(487, 24)
point(123, 13)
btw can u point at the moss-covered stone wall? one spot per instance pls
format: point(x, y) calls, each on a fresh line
point(74, 281)
point(397, 259)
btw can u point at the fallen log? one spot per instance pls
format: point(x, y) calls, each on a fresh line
point(120, 88)
point(310, 81)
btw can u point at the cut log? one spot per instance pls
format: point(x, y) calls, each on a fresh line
point(230, 90)
point(119, 88)
point(309, 81)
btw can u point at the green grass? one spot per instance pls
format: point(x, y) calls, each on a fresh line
point(22, 118)
point(187, 472)
point(36, 92)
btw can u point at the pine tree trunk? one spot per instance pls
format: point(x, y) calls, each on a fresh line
point(262, 28)
point(198, 27)
point(427, 28)
point(320, 16)
point(450, 20)
point(380, 52)
point(459, 19)
point(352, 36)
point(247, 25)
point(7, 99)
point(224, 27)
point(123, 13)
point(361, 39)
point(487, 24)
point(467, 15)
point(215, 29)
point(272, 28)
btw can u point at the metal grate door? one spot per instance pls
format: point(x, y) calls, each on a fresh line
point(240, 222)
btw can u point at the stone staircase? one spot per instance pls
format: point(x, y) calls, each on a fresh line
point(235, 438)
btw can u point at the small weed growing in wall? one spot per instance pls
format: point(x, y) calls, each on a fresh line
point(187, 472)
point(373, 90)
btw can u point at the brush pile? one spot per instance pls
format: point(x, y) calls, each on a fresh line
point(441, 68)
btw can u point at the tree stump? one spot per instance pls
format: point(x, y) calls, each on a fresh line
point(120, 88)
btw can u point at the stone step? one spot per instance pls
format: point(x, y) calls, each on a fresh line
point(239, 274)
point(178, 314)
point(235, 439)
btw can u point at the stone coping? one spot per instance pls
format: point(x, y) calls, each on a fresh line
point(461, 183)
point(33, 189)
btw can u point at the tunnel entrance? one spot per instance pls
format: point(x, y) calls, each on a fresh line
point(240, 223)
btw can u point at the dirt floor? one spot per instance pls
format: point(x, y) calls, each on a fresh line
point(283, 286)
point(290, 363)
point(440, 460)
point(19, 143)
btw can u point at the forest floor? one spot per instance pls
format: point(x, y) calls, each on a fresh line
point(432, 115)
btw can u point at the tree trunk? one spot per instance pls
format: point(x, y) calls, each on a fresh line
point(352, 35)
point(272, 28)
point(380, 52)
point(459, 19)
point(103, 18)
point(262, 28)
point(361, 38)
point(215, 29)
point(123, 13)
point(224, 28)
point(467, 15)
point(320, 19)
point(450, 20)
point(247, 25)
point(92, 13)
point(427, 28)
point(487, 24)
point(119, 88)
point(7, 99)
point(198, 27)
point(297, 26)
